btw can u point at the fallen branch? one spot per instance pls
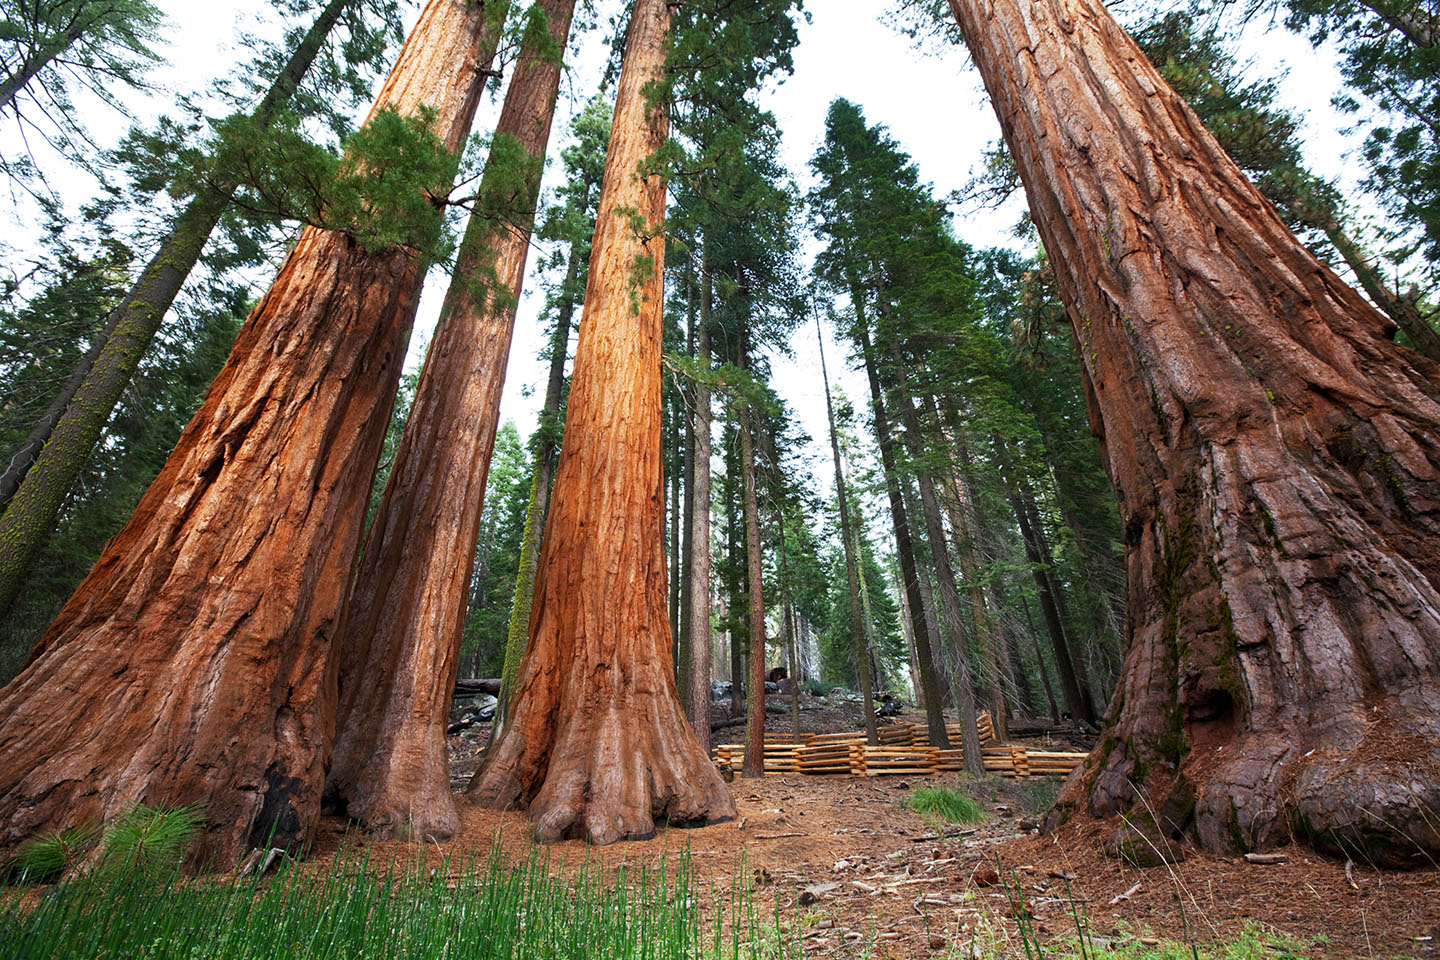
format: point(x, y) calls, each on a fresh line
point(1126, 895)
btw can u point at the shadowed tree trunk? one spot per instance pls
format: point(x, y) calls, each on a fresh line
point(37, 481)
point(1045, 588)
point(734, 535)
point(852, 564)
point(699, 533)
point(193, 664)
point(915, 590)
point(399, 654)
point(754, 765)
point(1275, 456)
point(685, 640)
point(597, 745)
point(953, 626)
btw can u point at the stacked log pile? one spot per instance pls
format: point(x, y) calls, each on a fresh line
point(902, 750)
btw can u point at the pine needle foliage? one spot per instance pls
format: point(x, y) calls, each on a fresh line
point(47, 858)
point(150, 841)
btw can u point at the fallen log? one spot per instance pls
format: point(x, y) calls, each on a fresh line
point(474, 687)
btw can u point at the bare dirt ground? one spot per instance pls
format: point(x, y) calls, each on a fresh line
point(856, 871)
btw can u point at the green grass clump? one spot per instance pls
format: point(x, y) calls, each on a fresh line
point(946, 806)
point(356, 909)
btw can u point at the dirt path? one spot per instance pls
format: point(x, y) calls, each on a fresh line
point(844, 859)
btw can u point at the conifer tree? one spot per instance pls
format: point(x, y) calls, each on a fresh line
point(192, 666)
point(399, 655)
point(597, 745)
point(40, 475)
point(1274, 456)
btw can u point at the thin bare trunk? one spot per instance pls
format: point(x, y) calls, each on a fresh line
point(699, 536)
point(754, 765)
point(852, 575)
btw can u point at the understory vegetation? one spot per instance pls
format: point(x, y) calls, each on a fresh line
point(359, 908)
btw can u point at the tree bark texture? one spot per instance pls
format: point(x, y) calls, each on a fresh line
point(538, 506)
point(38, 481)
point(598, 746)
point(399, 655)
point(698, 537)
point(193, 664)
point(1275, 455)
point(754, 764)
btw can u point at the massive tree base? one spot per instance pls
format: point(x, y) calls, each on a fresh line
point(614, 771)
point(190, 666)
point(598, 746)
point(1276, 459)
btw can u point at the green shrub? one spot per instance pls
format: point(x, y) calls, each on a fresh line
point(815, 688)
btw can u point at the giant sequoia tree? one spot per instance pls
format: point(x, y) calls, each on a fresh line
point(192, 665)
point(1275, 455)
point(407, 609)
point(598, 746)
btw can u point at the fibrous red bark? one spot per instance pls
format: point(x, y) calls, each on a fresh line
point(754, 765)
point(401, 647)
point(598, 746)
point(1276, 459)
point(192, 664)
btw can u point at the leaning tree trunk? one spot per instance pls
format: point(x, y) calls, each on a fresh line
point(1275, 456)
point(400, 651)
point(598, 746)
point(39, 479)
point(192, 665)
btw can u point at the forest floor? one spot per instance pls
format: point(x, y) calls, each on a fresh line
point(858, 871)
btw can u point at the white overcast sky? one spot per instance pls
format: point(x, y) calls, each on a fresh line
point(933, 106)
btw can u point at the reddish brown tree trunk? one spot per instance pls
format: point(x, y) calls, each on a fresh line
point(1275, 455)
point(192, 665)
point(598, 746)
point(400, 650)
point(754, 765)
